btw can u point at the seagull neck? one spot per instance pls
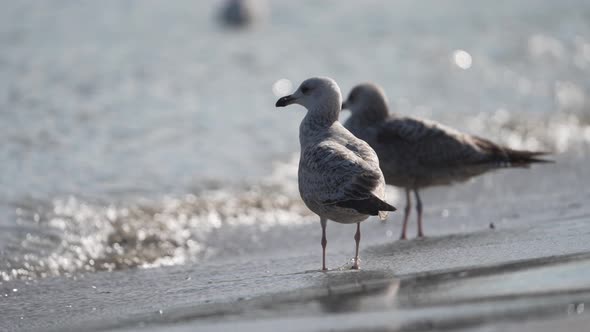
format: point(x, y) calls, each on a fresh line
point(315, 122)
point(370, 115)
point(323, 115)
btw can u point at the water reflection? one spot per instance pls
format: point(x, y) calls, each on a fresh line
point(526, 280)
point(357, 291)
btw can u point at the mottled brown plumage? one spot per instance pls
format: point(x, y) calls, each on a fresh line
point(418, 153)
point(339, 176)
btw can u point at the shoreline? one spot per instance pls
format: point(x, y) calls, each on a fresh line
point(488, 276)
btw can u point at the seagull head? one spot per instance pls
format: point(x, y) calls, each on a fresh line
point(364, 98)
point(317, 94)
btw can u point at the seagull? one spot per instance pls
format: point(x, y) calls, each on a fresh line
point(339, 176)
point(241, 13)
point(418, 153)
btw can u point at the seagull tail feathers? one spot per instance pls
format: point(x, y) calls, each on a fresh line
point(384, 207)
point(373, 206)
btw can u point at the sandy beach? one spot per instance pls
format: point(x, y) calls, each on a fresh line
point(491, 280)
point(527, 274)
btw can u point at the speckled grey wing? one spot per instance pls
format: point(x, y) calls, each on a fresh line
point(333, 173)
point(433, 145)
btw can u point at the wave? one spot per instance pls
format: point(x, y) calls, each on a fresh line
point(70, 235)
point(73, 236)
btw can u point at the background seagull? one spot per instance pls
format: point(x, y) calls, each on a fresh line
point(417, 153)
point(339, 175)
point(241, 13)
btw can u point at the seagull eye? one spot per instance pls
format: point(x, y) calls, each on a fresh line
point(305, 90)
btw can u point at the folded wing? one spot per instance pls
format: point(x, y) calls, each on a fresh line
point(340, 176)
point(435, 145)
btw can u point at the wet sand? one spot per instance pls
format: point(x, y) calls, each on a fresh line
point(503, 279)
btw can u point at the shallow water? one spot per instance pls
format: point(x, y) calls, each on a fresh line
point(459, 280)
point(142, 134)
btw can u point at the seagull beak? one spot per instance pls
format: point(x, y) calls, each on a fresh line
point(286, 100)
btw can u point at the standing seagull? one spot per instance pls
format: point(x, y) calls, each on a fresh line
point(416, 153)
point(339, 175)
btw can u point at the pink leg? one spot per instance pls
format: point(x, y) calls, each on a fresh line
point(407, 210)
point(357, 239)
point(324, 243)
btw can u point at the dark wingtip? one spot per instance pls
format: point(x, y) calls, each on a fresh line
point(511, 157)
point(387, 207)
point(545, 161)
point(371, 206)
point(527, 163)
point(517, 157)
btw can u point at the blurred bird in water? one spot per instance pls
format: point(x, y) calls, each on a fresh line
point(418, 153)
point(339, 176)
point(242, 13)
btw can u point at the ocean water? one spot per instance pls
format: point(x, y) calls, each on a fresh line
point(142, 133)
